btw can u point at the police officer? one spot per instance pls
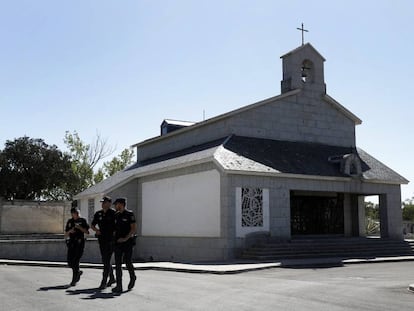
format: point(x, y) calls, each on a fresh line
point(125, 229)
point(75, 230)
point(103, 224)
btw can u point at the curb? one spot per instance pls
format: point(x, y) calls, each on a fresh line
point(222, 269)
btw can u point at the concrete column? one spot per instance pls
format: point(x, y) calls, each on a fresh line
point(391, 214)
point(1, 211)
point(347, 215)
point(279, 208)
point(361, 216)
point(351, 215)
point(383, 215)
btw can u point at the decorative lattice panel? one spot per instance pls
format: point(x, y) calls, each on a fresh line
point(252, 207)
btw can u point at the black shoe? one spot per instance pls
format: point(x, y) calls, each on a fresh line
point(111, 282)
point(78, 276)
point(117, 289)
point(132, 282)
point(103, 285)
point(73, 283)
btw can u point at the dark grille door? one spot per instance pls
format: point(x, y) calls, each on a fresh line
point(316, 215)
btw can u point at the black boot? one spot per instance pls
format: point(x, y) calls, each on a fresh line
point(103, 285)
point(111, 281)
point(117, 288)
point(132, 282)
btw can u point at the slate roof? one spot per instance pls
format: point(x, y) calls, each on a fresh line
point(298, 158)
point(255, 155)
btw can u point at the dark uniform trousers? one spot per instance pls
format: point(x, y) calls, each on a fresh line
point(75, 252)
point(106, 248)
point(123, 253)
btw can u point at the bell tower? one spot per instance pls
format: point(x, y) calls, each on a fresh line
point(303, 69)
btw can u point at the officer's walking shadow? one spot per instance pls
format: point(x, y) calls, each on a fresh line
point(57, 287)
point(94, 293)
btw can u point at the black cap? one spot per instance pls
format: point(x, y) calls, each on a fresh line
point(74, 210)
point(120, 200)
point(106, 199)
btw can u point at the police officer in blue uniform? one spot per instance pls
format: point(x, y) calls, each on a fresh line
point(125, 229)
point(76, 228)
point(103, 224)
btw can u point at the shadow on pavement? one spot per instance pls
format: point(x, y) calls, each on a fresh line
point(322, 265)
point(57, 287)
point(94, 293)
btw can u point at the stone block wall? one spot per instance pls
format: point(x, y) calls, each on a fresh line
point(28, 217)
point(302, 117)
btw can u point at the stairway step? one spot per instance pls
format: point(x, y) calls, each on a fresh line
point(342, 248)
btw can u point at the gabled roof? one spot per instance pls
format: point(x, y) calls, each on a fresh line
point(342, 109)
point(258, 155)
point(302, 47)
point(217, 118)
point(252, 156)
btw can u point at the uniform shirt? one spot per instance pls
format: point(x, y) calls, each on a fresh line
point(71, 224)
point(106, 223)
point(123, 223)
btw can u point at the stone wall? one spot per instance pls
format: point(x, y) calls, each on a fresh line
point(28, 217)
point(300, 117)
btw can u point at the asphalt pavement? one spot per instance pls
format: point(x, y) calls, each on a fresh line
point(376, 286)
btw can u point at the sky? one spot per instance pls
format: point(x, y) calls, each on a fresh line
point(119, 68)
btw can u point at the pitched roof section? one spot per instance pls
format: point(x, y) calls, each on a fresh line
point(342, 109)
point(184, 158)
point(302, 47)
point(218, 118)
point(245, 155)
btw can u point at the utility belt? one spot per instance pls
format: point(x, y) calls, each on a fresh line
point(72, 242)
point(132, 241)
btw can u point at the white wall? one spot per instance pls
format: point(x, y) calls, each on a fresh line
point(183, 206)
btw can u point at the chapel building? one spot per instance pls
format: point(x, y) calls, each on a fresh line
point(287, 167)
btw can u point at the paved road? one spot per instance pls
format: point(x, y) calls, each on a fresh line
point(380, 286)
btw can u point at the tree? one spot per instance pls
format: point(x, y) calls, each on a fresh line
point(85, 158)
point(118, 163)
point(371, 211)
point(31, 169)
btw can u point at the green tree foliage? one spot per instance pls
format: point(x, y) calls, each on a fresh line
point(408, 209)
point(85, 158)
point(371, 211)
point(372, 223)
point(31, 169)
point(118, 163)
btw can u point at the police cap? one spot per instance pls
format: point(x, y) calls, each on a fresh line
point(106, 199)
point(120, 200)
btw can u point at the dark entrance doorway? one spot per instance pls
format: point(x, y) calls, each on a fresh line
point(317, 214)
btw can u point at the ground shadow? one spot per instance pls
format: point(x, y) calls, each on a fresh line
point(57, 287)
point(327, 265)
point(93, 293)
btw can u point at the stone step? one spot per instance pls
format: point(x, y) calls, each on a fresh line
point(342, 248)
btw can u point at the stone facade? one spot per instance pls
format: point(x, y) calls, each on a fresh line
point(301, 119)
